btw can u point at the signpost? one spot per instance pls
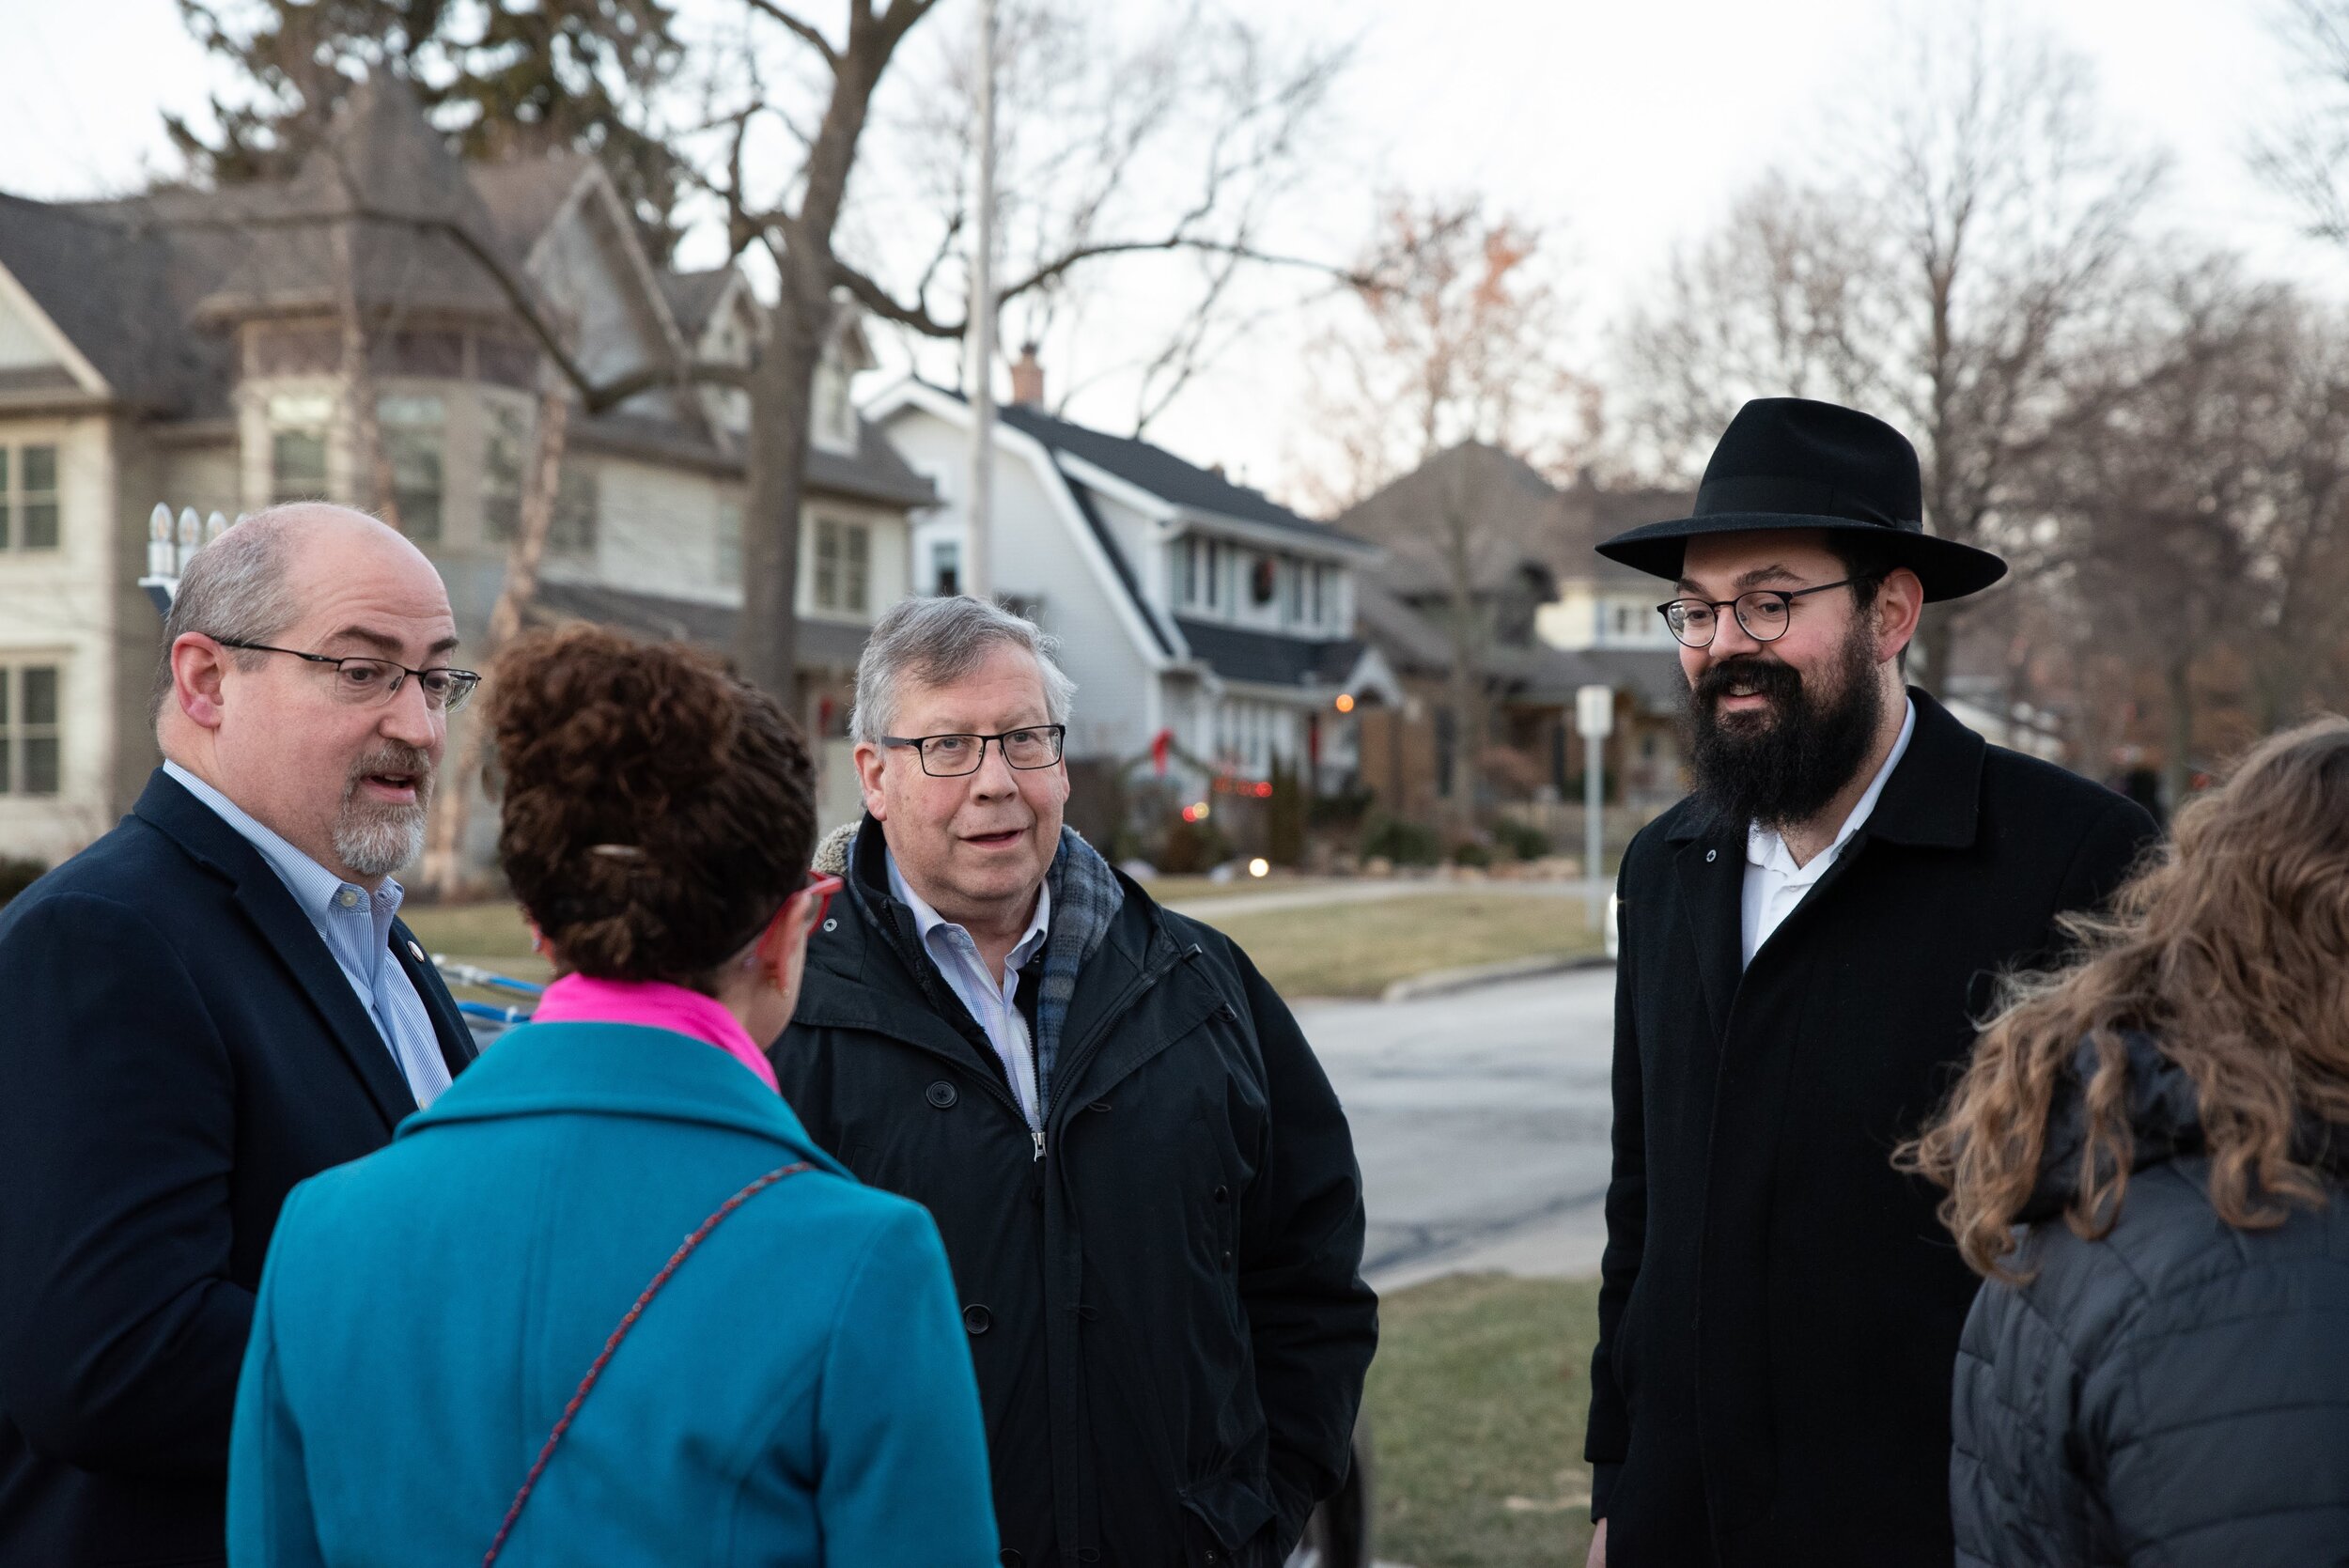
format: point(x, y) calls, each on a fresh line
point(1594, 720)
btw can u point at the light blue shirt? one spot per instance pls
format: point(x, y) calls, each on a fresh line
point(356, 928)
point(991, 1001)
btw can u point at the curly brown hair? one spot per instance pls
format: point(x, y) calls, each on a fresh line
point(656, 811)
point(2231, 951)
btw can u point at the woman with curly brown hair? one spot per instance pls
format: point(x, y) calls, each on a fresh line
point(488, 1336)
point(2146, 1158)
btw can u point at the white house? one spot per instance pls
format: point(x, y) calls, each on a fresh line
point(1186, 604)
point(220, 350)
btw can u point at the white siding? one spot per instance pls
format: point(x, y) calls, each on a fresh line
point(1045, 554)
point(24, 346)
point(62, 608)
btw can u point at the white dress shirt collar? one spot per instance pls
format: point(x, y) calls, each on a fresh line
point(1774, 883)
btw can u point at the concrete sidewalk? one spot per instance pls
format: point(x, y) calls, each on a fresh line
point(1373, 892)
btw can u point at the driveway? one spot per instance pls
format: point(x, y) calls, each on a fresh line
point(1481, 1120)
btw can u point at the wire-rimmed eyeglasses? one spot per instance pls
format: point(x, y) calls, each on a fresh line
point(1764, 612)
point(951, 756)
point(365, 682)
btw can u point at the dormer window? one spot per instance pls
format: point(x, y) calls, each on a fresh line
point(834, 418)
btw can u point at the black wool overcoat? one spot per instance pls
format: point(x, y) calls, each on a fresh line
point(178, 1048)
point(1165, 1310)
point(1780, 1310)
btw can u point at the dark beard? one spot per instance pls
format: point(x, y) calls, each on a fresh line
point(1781, 766)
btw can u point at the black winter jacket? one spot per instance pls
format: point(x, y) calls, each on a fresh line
point(1779, 1308)
point(2176, 1394)
point(1166, 1311)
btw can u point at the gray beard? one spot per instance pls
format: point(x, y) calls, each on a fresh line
point(377, 840)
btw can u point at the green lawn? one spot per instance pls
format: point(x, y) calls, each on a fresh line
point(1333, 950)
point(1476, 1404)
point(1355, 950)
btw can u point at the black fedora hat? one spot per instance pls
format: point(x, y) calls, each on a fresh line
point(1790, 463)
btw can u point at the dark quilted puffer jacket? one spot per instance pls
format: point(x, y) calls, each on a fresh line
point(2174, 1394)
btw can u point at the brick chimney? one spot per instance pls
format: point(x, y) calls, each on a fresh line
point(1027, 379)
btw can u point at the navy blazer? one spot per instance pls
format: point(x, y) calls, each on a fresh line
point(177, 1048)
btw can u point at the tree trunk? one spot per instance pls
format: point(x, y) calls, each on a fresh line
point(445, 841)
point(1936, 644)
point(766, 641)
point(2177, 770)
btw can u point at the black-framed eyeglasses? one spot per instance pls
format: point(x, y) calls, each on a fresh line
point(950, 756)
point(1764, 612)
point(367, 682)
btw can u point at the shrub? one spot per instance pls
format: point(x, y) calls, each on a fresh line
point(1403, 843)
point(1520, 839)
point(1344, 810)
point(1470, 852)
point(1188, 849)
point(17, 873)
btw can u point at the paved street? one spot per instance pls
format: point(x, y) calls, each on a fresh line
point(1481, 1120)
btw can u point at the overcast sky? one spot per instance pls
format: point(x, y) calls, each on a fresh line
point(1620, 128)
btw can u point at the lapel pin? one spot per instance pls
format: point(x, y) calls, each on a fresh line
point(1711, 855)
point(415, 952)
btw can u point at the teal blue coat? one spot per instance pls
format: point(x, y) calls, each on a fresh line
point(800, 1392)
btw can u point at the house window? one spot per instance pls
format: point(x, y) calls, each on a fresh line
point(1189, 557)
point(575, 503)
point(411, 429)
point(502, 459)
point(947, 568)
point(1293, 573)
point(1447, 751)
point(1320, 615)
point(844, 564)
point(28, 498)
point(1215, 572)
point(729, 563)
point(297, 446)
point(28, 730)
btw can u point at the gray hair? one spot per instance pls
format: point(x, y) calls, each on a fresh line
point(939, 640)
point(235, 588)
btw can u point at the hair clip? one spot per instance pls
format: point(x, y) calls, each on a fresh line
point(617, 851)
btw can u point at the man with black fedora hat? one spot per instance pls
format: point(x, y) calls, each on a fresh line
point(1806, 942)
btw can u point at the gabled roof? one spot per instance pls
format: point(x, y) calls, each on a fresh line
point(1510, 514)
point(1269, 657)
point(693, 296)
point(1162, 473)
point(111, 288)
point(1417, 646)
point(822, 645)
point(524, 195)
point(875, 473)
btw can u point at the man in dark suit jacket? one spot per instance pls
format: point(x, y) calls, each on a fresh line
point(210, 1003)
point(1806, 942)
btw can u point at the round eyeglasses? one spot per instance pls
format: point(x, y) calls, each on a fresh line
point(1764, 612)
point(371, 682)
point(951, 756)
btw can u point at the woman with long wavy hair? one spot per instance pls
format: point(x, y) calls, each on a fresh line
point(2146, 1159)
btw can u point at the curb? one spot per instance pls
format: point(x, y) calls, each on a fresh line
point(1444, 981)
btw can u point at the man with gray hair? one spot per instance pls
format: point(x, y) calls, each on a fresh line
point(1146, 1188)
point(210, 1003)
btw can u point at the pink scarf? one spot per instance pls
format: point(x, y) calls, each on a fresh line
point(654, 1004)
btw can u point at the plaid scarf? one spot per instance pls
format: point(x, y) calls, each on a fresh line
point(1086, 896)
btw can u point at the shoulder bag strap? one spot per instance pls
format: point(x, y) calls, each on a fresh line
point(685, 1250)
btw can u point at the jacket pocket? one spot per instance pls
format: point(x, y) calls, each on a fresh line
point(1233, 1509)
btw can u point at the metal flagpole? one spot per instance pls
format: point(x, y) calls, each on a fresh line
point(978, 576)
